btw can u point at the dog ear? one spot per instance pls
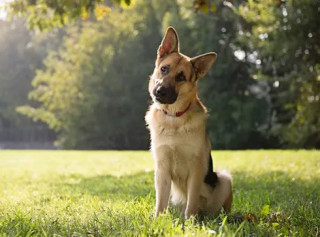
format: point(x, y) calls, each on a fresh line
point(203, 63)
point(170, 43)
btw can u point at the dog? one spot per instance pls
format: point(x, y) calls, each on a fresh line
point(180, 147)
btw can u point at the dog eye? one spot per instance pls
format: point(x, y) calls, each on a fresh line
point(164, 69)
point(180, 77)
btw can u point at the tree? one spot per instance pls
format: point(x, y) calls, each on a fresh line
point(93, 92)
point(263, 89)
point(15, 71)
point(92, 106)
point(237, 103)
point(22, 52)
point(47, 14)
point(284, 36)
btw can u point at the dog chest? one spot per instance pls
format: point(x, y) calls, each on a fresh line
point(179, 159)
point(183, 162)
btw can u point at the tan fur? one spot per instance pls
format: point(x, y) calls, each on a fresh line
point(179, 145)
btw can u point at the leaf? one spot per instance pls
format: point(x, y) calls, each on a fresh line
point(204, 8)
point(250, 217)
point(101, 11)
point(84, 14)
point(213, 8)
point(128, 2)
point(265, 210)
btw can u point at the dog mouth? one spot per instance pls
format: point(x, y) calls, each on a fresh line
point(166, 100)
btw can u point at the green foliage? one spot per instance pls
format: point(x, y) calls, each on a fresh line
point(92, 107)
point(71, 193)
point(229, 91)
point(22, 52)
point(263, 90)
point(47, 14)
point(284, 36)
point(93, 91)
point(15, 72)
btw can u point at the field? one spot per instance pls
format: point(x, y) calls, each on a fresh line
point(111, 193)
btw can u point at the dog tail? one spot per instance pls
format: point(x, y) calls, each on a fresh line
point(225, 189)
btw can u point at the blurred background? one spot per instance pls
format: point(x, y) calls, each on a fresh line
point(74, 74)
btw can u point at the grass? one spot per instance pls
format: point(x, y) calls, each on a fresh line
point(111, 193)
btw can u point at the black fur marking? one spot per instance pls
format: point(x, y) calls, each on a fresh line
point(211, 176)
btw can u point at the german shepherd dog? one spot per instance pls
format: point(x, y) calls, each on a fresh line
point(179, 144)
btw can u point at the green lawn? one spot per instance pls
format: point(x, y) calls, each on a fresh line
point(97, 193)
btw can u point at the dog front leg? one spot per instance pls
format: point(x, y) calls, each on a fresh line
point(193, 193)
point(163, 185)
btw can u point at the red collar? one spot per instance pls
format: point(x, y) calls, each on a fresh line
point(178, 114)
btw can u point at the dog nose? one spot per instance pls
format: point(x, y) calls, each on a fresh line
point(161, 91)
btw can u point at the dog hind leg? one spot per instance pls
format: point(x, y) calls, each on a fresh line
point(225, 186)
point(228, 203)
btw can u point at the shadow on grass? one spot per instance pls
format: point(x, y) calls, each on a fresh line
point(276, 188)
point(251, 192)
point(297, 200)
point(289, 201)
point(277, 198)
point(108, 187)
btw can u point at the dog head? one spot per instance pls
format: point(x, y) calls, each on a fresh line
point(175, 76)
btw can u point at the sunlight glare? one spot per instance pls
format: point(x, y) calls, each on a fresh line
point(3, 13)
